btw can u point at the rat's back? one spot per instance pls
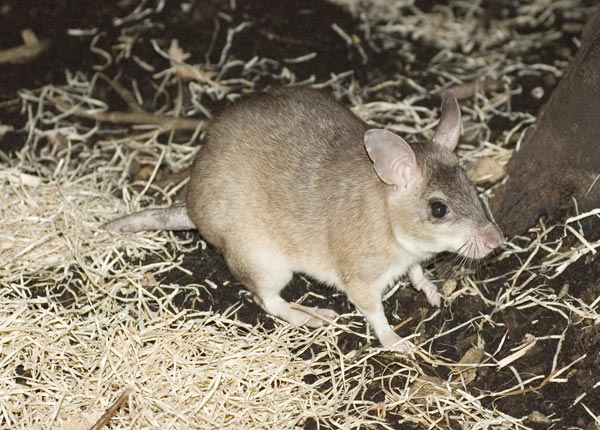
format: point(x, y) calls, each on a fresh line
point(303, 121)
point(270, 163)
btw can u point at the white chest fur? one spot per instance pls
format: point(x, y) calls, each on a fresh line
point(394, 271)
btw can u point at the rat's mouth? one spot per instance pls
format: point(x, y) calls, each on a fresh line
point(484, 241)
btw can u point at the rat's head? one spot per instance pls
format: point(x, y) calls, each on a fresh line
point(432, 205)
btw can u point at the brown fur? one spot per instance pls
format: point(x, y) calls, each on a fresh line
point(289, 171)
point(284, 183)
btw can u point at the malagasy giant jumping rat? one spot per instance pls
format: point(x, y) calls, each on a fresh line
point(292, 181)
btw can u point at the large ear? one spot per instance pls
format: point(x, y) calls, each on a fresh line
point(393, 159)
point(448, 129)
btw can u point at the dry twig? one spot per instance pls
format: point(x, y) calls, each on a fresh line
point(29, 51)
point(111, 411)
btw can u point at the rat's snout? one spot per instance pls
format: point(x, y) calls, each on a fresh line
point(491, 237)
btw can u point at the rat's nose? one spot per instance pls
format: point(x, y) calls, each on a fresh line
point(491, 237)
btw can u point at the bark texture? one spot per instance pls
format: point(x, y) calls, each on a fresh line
point(560, 159)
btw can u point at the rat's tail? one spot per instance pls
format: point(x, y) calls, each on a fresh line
point(172, 218)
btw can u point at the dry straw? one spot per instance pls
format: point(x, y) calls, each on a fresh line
point(89, 339)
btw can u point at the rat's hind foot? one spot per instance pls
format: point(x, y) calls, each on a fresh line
point(299, 315)
point(318, 316)
point(266, 271)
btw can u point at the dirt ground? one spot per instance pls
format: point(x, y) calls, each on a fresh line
point(285, 30)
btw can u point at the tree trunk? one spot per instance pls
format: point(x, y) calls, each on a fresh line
point(560, 158)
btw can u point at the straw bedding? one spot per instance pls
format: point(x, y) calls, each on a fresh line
point(92, 334)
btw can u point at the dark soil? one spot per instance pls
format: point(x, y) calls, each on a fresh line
point(287, 29)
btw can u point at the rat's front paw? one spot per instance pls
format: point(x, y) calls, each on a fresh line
point(430, 290)
point(421, 283)
point(393, 342)
point(433, 296)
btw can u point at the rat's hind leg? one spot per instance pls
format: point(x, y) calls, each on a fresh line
point(266, 273)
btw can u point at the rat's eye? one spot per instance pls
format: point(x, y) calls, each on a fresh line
point(439, 209)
